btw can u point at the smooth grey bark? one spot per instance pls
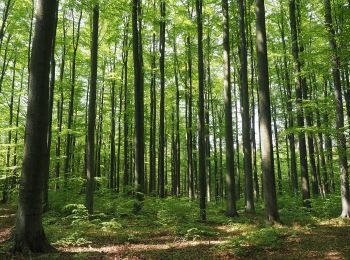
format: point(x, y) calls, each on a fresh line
point(267, 163)
point(300, 112)
point(70, 141)
point(60, 102)
point(291, 137)
point(275, 127)
point(341, 139)
point(189, 120)
point(230, 173)
point(247, 149)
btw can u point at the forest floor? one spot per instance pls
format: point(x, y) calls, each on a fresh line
point(169, 229)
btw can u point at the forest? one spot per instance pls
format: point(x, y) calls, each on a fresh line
point(174, 129)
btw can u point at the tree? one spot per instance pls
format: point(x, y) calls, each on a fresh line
point(267, 163)
point(341, 140)
point(247, 150)
point(230, 176)
point(69, 145)
point(90, 169)
point(300, 84)
point(201, 117)
point(139, 101)
point(161, 107)
point(29, 235)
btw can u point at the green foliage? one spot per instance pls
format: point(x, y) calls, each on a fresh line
point(75, 239)
point(270, 237)
point(111, 225)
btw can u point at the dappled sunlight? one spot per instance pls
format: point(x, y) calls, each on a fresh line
point(7, 221)
point(118, 249)
point(5, 234)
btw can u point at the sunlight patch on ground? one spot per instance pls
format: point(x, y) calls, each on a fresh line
point(5, 234)
point(334, 255)
point(335, 222)
point(118, 249)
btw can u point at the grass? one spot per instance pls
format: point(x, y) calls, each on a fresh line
point(169, 229)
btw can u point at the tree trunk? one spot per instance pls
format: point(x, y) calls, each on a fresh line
point(201, 115)
point(267, 163)
point(29, 234)
point(69, 144)
point(291, 138)
point(247, 150)
point(153, 116)
point(299, 99)
point(162, 103)
point(60, 105)
point(279, 173)
point(49, 130)
point(139, 103)
point(90, 170)
point(230, 177)
point(341, 139)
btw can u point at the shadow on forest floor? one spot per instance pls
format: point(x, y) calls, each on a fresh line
point(140, 237)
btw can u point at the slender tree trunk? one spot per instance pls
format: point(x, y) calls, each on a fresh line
point(177, 138)
point(201, 115)
point(347, 91)
point(291, 138)
point(162, 101)
point(300, 112)
point(9, 140)
point(267, 163)
point(323, 166)
point(216, 177)
point(126, 176)
point(99, 136)
point(113, 162)
point(5, 62)
point(90, 171)
point(153, 115)
point(311, 147)
point(60, 104)
point(247, 150)
point(5, 15)
point(341, 139)
point(238, 157)
point(230, 177)
point(17, 124)
point(189, 122)
point(221, 183)
point(116, 181)
point(139, 103)
point(279, 173)
point(69, 143)
point(328, 144)
point(253, 83)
